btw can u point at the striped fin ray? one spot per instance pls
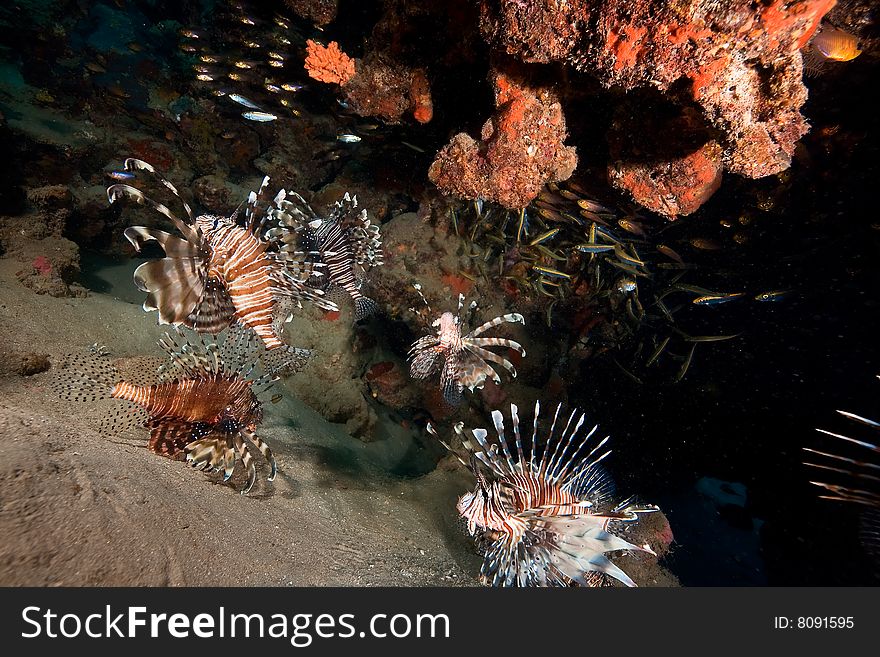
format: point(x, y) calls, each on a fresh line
point(853, 464)
point(214, 311)
point(514, 418)
point(562, 444)
point(451, 382)
point(265, 451)
point(169, 437)
point(534, 437)
point(175, 285)
point(212, 453)
point(424, 358)
point(496, 342)
point(578, 545)
point(541, 466)
point(191, 358)
point(246, 460)
point(498, 421)
point(486, 453)
point(257, 209)
point(120, 190)
point(485, 354)
point(561, 467)
point(134, 164)
point(512, 317)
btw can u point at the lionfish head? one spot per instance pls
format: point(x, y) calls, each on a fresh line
point(208, 223)
point(448, 330)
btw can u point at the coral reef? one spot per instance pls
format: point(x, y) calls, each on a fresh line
point(521, 148)
point(375, 85)
point(738, 62)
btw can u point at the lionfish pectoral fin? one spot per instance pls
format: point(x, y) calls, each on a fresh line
point(169, 437)
point(174, 286)
point(450, 382)
point(213, 452)
point(85, 377)
point(365, 307)
point(173, 246)
point(267, 454)
point(248, 462)
point(214, 311)
point(291, 359)
point(577, 545)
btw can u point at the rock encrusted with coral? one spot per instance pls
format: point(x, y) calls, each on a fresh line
point(520, 150)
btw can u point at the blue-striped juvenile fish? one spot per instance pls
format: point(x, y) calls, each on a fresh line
point(348, 244)
point(543, 512)
point(715, 299)
point(461, 359)
point(222, 272)
point(202, 404)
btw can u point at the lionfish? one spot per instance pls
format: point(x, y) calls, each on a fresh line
point(539, 512)
point(222, 272)
point(461, 358)
point(854, 468)
point(346, 241)
point(202, 403)
point(859, 466)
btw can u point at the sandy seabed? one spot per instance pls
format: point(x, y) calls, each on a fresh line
point(81, 508)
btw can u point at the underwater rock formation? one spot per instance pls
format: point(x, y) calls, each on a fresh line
point(644, 160)
point(320, 12)
point(520, 149)
point(738, 62)
point(376, 85)
point(50, 261)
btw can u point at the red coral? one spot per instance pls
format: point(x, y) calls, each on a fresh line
point(420, 97)
point(328, 63)
point(42, 265)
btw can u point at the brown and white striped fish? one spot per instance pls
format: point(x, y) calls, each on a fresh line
point(203, 402)
point(461, 359)
point(543, 513)
point(348, 244)
point(222, 272)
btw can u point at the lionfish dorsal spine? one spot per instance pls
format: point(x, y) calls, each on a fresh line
point(560, 467)
point(542, 465)
point(498, 421)
point(514, 418)
point(534, 437)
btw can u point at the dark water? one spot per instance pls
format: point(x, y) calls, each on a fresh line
point(739, 418)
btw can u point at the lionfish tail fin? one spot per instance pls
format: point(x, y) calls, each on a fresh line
point(365, 307)
point(86, 377)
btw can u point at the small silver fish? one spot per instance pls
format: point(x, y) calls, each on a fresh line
point(241, 100)
point(348, 139)
point(261, 117)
